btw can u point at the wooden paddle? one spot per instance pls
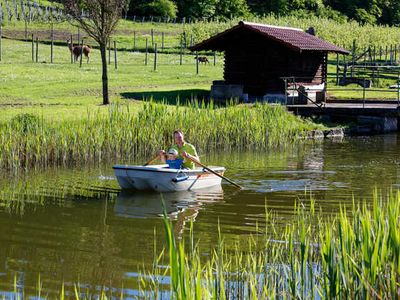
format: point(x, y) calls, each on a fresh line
point(215, 173)
point(151, 160)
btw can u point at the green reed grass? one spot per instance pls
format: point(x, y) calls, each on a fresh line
point(354, 255)
point(28, 141)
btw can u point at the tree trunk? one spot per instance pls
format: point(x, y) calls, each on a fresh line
point(104, 77)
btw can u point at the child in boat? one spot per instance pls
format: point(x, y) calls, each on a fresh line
point(172, 159)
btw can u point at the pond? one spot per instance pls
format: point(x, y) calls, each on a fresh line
point(75, 225)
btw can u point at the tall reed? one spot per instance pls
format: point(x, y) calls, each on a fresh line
point(29, 141)
point(354, 257)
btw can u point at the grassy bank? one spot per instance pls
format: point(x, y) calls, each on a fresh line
point(122, 134)
point(356, 257)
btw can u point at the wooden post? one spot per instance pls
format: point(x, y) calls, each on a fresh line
point(1, 32)
point(26, 30)
point(155, 57)
point(80, 62)
point(72, 54)
point(374, 54)
point(398, 90)
point(109, 51)
point(134, 40)
point(215, 58)
point(37, 49)
point(395, 54)
point(181, 53)
point(197, 63)
point(386, 54)
point(391, 55)
point(162, 41)
point(337, 68)
point(146, 51)
point(33, 49)
point(52, 43)
point(115, 55)
point(353, 58)
point(152, 38)
point(1, 29)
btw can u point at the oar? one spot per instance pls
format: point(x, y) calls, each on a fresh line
point(215, 173)
point(151, 160)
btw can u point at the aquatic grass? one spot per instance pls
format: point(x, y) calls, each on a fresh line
point(354, 254)
point(124, 135)
point(313, 258)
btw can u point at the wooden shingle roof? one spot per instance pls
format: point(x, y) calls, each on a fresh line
point(294, 38)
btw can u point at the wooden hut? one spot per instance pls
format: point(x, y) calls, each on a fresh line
point(258, 57)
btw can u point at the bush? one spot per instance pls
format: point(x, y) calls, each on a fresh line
point(159, 8)
point(25, 123)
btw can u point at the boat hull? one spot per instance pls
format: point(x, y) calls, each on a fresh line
point(163, 179)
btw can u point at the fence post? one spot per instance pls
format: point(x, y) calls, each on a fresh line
point(364, 93)
point(26, 30)
point(197, 63)
point(79, 35)
point(155, 57)
point(37, 49)
point(353, 58)
point(152, 38)
point(162, 41)
point(52, 43)
point(80, 62)
point(215, 58)
point(33, 49)
point(134, 40)
point(1, 32)
point(337, 68)
point(72, 54)
point(398, 89)
point(181, 53)
point(386, 54)
point(115, 55)
point(109, 51)
point(147, 51)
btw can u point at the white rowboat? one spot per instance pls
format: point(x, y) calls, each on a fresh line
point(160, 178)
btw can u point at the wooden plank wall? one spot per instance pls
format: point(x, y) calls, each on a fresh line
point(259, 64)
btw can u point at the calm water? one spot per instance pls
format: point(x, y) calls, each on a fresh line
point(74, 225)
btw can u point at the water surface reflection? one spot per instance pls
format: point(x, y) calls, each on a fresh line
point(75, 225)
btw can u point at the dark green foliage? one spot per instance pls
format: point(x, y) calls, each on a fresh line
point(25, 123)
point(159, 8)
point(232, 8)
point(363, 11)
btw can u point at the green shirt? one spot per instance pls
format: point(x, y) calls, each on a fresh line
point(189, 148)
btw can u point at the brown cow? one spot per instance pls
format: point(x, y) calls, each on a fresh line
point(202, 59)
point(77, 50)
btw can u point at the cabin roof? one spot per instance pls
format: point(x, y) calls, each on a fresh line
point(293, 38)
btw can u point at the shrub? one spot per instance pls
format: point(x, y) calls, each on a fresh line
point(25, 123)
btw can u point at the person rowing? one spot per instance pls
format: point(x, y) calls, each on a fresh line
point(185, 151)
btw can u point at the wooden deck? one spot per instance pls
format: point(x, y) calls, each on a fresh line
point(349, 108)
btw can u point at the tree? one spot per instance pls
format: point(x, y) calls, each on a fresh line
point(232, 8)
point(159, 8)
point(99, 23)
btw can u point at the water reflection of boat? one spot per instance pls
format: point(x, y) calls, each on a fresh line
point(163, 179)
point(140, 204)
point(181, 206)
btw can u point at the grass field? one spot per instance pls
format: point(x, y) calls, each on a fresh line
point(66, 90)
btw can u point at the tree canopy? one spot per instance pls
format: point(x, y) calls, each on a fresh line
point(364, 11)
